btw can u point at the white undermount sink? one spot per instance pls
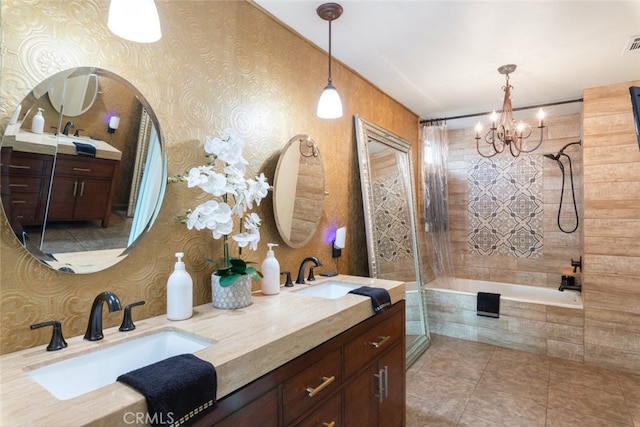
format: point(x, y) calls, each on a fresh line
point(329, 290)
point(90, 371)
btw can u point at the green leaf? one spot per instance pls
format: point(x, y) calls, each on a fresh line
point(228, 280)
point(255, 274)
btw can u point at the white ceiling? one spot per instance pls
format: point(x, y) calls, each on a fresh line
point(440, 58)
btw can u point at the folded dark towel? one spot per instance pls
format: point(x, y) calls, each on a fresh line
point(380, 299)
point(85, 149)
point(488, 304)
point(178, 390)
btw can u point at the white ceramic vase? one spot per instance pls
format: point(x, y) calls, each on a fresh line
point(237, 295)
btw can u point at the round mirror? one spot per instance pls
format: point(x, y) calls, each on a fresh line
point(298, 191)
point(75, 95)
point(75, 195)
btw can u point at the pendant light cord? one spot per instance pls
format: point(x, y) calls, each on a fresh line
point(330, 51)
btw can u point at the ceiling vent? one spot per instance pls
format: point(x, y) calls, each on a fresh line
point(633, 46)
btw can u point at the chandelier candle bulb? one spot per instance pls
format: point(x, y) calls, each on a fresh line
point(540, 118)
point(494, 119)
point(478, 130)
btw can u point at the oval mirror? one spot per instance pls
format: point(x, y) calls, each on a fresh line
point(80, 196)
point(298, 191)
point(75, 95)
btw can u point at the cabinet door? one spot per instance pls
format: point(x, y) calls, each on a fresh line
point(63, 198)
point(360, 400)
point(92, 199)
point(391, 408)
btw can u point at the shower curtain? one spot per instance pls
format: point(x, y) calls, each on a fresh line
point(434, 178)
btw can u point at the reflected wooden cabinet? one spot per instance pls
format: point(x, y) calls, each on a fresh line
point(82, 189)
point(354, 379)
point(25, 184)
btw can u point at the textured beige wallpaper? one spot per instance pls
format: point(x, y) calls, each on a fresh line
point(219, 64)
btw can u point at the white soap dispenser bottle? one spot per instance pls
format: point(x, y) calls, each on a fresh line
point(270, 284)
point(179, 292)
point(37, 123)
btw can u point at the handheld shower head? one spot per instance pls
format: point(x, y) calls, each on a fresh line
point(551, 156)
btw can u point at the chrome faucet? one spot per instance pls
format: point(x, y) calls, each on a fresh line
point(303, 265)
point(94, 328)
point(67, 128)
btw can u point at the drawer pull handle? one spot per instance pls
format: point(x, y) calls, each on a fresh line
point(381, 342)
point(331, 424)
point(82, 169)
point(19, 167)
point(19, 185)
point(325, 382)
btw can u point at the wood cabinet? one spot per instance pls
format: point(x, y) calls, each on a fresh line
point(354, 379)
point(25, 185)
point(82, 189)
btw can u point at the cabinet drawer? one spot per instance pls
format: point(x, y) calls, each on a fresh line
point(28, 164)
point(80, 167)
point(25, 208)
point(328, 414)
point(310, 386)
point(24, 184)
point(369, 345)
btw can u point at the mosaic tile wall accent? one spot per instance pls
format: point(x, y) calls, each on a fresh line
point(391, 209)
point(505, 207)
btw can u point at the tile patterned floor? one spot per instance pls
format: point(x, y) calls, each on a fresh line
point(464, 383)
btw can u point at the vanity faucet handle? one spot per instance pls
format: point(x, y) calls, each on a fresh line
point(288, 283)
point(127, 321)
point(57, 340)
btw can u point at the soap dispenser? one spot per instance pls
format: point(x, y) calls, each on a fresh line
point(37, 123)
point(270, 284)
point(179, 292)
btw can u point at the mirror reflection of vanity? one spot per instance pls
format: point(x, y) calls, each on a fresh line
point(80, 195)
point(298, 191)
point(388, 193)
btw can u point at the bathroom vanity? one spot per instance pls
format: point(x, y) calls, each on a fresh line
point(287, 359)
point(82, 186)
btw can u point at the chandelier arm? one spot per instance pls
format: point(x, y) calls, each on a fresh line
point(486, 156)
point(539, 142)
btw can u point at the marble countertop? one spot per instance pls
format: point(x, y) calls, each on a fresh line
point(247, 343)
point(48, 143)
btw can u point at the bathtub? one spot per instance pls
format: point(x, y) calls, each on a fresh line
point(521, 293)
point(534, 319)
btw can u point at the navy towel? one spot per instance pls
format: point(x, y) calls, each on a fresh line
point(178, 389)
point(380, 299)
point(85, 149)
point(488, 305)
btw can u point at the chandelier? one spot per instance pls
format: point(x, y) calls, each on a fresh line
point(508, 132)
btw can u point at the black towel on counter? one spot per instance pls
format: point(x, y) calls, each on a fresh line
point(488, 305)
point(178, 390)
point(85, 149)
point(380, 299)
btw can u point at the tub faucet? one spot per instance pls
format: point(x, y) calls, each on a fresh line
point(303, 265)
point(564, 286)
point(94, 328)
point(67, 128)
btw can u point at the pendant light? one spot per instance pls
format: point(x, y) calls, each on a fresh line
point(329, 105)
point(135, 20)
